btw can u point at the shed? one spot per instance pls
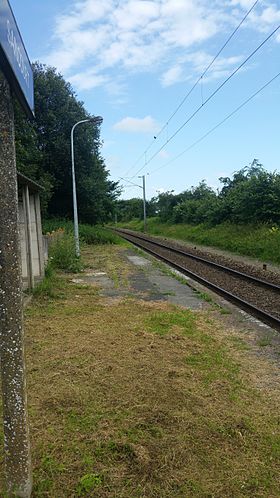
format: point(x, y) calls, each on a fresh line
point(30, 226)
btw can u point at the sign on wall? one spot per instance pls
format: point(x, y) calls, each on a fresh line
point(14, 60)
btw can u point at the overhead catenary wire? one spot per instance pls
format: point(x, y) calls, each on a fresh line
point(218, 125)
point(208, 67)
point(128, 181)
point(193, 87)
point(211, 96)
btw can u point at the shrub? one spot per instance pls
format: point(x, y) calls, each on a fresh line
point(97, 235)
point(89, 234)
point(62, 254)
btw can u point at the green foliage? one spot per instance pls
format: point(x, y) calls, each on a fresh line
point(88, 483)
point(133, 208)
point(163, 323)
point(97, 235)
point(43, 151)
point(88, 234)
point(50, 285)
point(62, 254)
point(166, 202)
point(252, 197)
point(259, 241)
point(53, 224)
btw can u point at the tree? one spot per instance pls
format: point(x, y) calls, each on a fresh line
point(44, 152)
point(253, 195)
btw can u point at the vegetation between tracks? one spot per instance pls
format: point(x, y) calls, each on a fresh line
point(260, 242)
point(142, 399)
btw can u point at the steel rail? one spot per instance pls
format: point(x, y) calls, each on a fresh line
point(237, 273)
point(245, 305)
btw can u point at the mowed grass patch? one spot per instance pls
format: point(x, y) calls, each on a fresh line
point(140, 399)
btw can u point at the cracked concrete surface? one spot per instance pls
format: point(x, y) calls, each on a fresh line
point(145, 281)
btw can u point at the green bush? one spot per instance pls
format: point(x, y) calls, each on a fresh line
point(54, 224)
point(62, 254)
point(97, 235)
point(88, 234)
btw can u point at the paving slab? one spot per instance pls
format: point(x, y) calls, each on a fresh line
point(166, 286)
point(146, 282)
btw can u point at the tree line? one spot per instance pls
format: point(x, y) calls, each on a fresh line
point(44, 151)
point(251, 196)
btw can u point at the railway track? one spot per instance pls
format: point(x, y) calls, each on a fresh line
point(258, 296)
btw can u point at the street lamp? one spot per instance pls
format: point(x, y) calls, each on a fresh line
point(144, 201)
point(96, 120)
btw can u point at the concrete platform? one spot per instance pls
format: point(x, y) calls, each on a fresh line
point(145, 281)
point(165, 286)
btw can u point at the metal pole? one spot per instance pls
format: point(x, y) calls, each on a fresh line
point(144, 204)
point(96, 120)
point(75, 210)
point(15, 418)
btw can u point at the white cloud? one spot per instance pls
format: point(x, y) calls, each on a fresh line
point(137, 125)
point(264, 17)
point(220, 68)
point(173, 75)
point(100, 40)
point(269, 17)
point(87, 80)
point(195, 64)
point(246, 4)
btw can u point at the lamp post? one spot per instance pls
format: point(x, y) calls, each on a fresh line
point(95, 120)
point(144, 202)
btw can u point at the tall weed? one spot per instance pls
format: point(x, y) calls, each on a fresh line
point(62, 254)
point(89, 234)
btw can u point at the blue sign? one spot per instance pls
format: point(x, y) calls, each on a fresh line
point(14, 61)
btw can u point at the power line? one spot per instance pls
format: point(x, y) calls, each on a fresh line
point(209, 98)
point(219, 124)
point(128, 181)
point(193, 87)
point(209, 65)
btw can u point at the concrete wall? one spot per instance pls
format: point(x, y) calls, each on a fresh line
point(31, 239)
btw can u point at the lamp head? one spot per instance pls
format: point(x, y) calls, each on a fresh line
point(96, 120)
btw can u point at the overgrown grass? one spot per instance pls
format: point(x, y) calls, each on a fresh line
point(260, 242)
point(62, 257)
point(89, 234)
point(49, 285)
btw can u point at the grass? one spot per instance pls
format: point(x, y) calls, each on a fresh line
point(135, 399)
point(89, 234)
point(260, 242)
point(264, 341)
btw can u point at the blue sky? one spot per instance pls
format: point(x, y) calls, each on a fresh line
point(133, 61)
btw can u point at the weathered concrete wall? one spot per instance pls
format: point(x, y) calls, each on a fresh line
point(23, 243)
point(34, 238)
point(31, 239)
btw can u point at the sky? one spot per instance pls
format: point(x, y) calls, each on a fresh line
point(134, 62)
